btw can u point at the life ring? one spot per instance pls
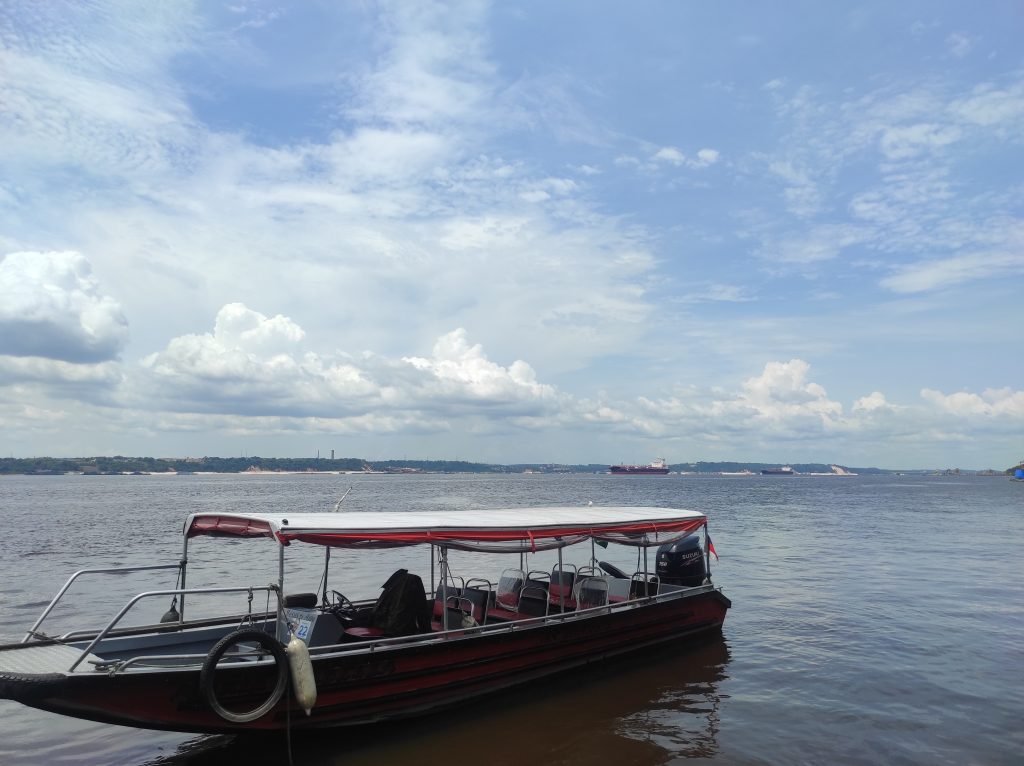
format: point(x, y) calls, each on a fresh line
point(219, 649)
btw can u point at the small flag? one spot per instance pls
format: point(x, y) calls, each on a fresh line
point(711, 548)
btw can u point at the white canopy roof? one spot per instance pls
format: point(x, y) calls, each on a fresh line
point(505, 529)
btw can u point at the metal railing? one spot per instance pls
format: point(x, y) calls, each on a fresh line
point(511, 626)
point(176, 592)
point(105, 570)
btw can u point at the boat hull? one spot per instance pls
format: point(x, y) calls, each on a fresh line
point(390, 682)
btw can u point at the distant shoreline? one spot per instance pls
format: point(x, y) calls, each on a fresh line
point(123, 465)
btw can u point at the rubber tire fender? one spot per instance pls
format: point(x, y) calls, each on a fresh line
point(246, 635)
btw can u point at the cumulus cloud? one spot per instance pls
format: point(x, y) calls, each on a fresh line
point(461, 372)
point(255, 365)
point(251, 364)
point(670, 155)
point(873, 402)
point(783, 390)
point(783, 406)
point(52, 306)
point(1000, 402)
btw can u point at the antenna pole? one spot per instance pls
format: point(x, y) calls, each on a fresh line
point(337, 505)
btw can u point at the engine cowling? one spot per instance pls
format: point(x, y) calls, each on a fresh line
point(682, 562)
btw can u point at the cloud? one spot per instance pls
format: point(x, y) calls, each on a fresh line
point(820, 243)
point(991, 106)
point(256, 366)
point(672, 156)
point(905, 141)
point(461, 373)
point(253, 365)
point(960, 44)
point(717, 292)
point(936, 274)
point(991, 403)
point(782, 391)
point(51, 306)
point(432, 69)
point(873, 402)
point(706, 157)
point(802, 195)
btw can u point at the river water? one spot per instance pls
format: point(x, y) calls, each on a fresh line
point(874, 619)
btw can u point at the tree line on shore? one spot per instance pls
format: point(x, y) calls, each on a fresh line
point(120, 464)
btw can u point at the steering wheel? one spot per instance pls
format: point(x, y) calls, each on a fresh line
point(341, 605)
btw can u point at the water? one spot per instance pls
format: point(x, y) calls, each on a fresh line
point(875, 619)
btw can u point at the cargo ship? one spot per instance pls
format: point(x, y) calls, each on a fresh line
point(784, 471)
point(658, 467)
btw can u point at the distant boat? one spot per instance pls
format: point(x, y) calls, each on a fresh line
point(838, 470)
point(1018, 475)
point(783, 471)
point(657, 467)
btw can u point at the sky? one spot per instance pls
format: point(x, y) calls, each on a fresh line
point(514, 232)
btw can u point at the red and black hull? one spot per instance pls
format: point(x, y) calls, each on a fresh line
point(360, 687)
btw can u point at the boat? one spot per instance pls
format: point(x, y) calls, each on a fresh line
point(834, 470)
point(657, 467)
point(405, 653)
point(782, 471)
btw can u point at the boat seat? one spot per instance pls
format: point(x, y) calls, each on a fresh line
point(560, 589)
point(637, 589)
point(364, 633)
point(533, 600)
point(459, 608)
point(301, 601)
point(618, 590)
point(506, 598)
point(590, 592)
point(462, 601)
point(439, 595)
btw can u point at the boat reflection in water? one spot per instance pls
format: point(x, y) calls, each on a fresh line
point(633, 710)
point(684, 718)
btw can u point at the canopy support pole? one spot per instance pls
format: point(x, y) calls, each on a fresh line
point(707, 551)
point(327, 564)
point(647, 589)
point(433, 588)
point(282, 629)
point(182, 566)
point(561, 590)
point(444, 586)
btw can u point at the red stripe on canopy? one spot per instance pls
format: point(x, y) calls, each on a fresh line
point(619, 533)
point(508, 530)
point(229, 526)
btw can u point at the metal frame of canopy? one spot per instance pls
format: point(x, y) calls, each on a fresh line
point(507, 530)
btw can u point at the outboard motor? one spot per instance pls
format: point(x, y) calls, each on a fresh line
point(682, 562)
